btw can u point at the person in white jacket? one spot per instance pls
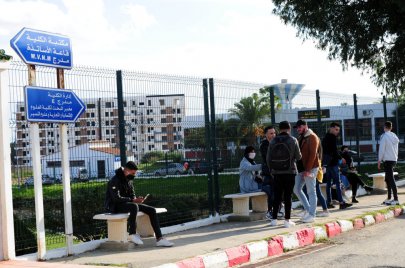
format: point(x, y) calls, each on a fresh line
point(388, 154)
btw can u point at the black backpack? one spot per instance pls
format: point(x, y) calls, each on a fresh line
point(280, 154)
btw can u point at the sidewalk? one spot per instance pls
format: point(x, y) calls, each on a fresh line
point(216, 237)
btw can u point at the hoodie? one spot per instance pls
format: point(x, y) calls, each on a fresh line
point(388, 150)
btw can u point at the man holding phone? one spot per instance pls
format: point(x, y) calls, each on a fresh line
point(120, 198)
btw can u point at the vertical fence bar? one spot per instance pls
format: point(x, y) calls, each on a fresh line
point(272, 107)
point(7, 237)
point(356, 127)
point(67, 197)
point(318, 112)
point(385, 108)
point(100, 129)
point(208, 145)
point(36, 168)
point(121, 119)
point(214, 145)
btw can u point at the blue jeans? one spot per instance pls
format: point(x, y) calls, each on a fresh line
point(310, 184)
point(332, 174)
point(269, 190)
point(320, 196)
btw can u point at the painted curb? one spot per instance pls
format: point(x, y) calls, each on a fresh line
point(196, 262)
point(215, 260)
point(167, 265)
point(368, 220)
point(345, 225)
point(389, 215)
point(320, 233)
point(290, 241)
point(305, 236)
point(358, 224)
point(379, 218)
point(397, 212)
point(403, 209)
point(258, 250)
point(333, 229)
point(237, 255)
point(275, 246)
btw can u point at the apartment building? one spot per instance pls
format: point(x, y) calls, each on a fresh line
point(152, 123)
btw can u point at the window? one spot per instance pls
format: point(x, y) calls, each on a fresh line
point(162, 102)
point(77, 124)
point(164, 147)
point(77, 133)
point(164, 129)
point(107, 123)
point(164, 138)
point(163, 120)
point(88, 123)
point(77, 142)
point(141, 103)
point(93, 123)
point(91, 106)
point(151, 147)
point(133, 103)
point(22, 109)
point(149, 102)
point(113, 140)
point(109, 104)
point(364, 127)
point(112, 131)
point(163, 111)
point(106, 114)
point(111, 113)
point(178, 111)
point(107, 131)
point(176, 102)
point(179, 119)
point(174, 119)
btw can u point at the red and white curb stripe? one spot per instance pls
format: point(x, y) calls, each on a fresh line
point(256, 251)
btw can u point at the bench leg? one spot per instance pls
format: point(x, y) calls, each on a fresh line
point(379, 183)
point(241, 206)
point(259, 203)
point(117, 230)
point(143, 226)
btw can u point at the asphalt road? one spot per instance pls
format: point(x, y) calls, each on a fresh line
point(381, 245)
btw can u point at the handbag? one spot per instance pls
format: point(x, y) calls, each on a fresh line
point(319, 175)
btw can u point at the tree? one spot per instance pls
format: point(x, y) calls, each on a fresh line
point(369, 35)
point(251, 111)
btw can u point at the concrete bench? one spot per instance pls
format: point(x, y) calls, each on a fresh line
point(117, 225)
point(379, 180)
point(240, 203)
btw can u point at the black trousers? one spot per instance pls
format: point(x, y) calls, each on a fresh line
point(283, 189)
point(355, 181)
point(389, 179)
point(133, 209)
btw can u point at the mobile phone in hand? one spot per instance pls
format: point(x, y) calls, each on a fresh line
point(145, 198)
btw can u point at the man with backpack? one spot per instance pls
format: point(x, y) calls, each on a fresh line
point(282, 155)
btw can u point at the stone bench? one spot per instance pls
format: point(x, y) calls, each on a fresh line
point(240, 203)
point(117, 225)
point(379, 180)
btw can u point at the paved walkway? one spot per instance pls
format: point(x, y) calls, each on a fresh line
point(209, 239)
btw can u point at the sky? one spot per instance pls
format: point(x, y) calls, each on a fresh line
point(227, 39)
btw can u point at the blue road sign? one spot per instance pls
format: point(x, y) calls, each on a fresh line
point(43, 48)
point(52, 105)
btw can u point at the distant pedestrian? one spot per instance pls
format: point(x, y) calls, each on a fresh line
point(331, 159)
point(282, 155)
point(388, 154)
point(308, 168)
point(268, 180)
point(249, 178)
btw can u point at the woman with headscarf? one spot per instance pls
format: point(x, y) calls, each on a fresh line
point(249, 180)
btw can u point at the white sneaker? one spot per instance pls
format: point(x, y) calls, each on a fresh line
point(323, 214)
point(308, 219)
point(289, 223)
point(164, 243)
point(136, 239)
point(302, 214)
point(394, 202)
point(273, 223)
point(268, 216)
point(386, 202)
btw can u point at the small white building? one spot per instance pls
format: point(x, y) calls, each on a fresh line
point(97, 158)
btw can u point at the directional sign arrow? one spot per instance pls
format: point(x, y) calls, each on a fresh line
point(52, 105)
point(43, 48)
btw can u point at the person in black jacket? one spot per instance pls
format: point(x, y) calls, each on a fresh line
point(120, 198)
point(331, 159)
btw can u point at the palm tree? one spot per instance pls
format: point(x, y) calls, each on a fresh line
point(251, 111)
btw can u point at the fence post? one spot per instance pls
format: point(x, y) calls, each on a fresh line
point(272, 105)
point(208, 145)
point(7, 238)
point(356, 122)
point(121, 119)
point(385, 108)
point(214, 145)
point(318, 112)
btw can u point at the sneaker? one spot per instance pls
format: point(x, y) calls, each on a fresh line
point(136, 239)
point(308, 219)
point(368, 188)
point(354, 200)
point(330, 205)
point(302, 214)
point(386, 202)
point(394, 202)
point(273, 223)
point(345, 205)
point(280, 215)
point(323, 214)
point(268, 216)
point(289, 223)
point(163, 242)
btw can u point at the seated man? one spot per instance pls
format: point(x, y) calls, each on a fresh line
point(120, 198)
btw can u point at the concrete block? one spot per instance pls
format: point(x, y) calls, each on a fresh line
point(275, 246)
point(215, 260)
point(397, 212)
point(238, 255)
point(358, 224)
point(167, 265)
point(258, 250)
point(333, 229)
point(320, 233)
point(379, 218)
point(368, 220)
point(196, 262)
point(305, 236)
point(290, 241)
point(345, 225)
point(389, 215)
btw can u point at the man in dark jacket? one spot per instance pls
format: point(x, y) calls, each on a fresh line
point(331, 159)
point(268, 180)
point(120, 198)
